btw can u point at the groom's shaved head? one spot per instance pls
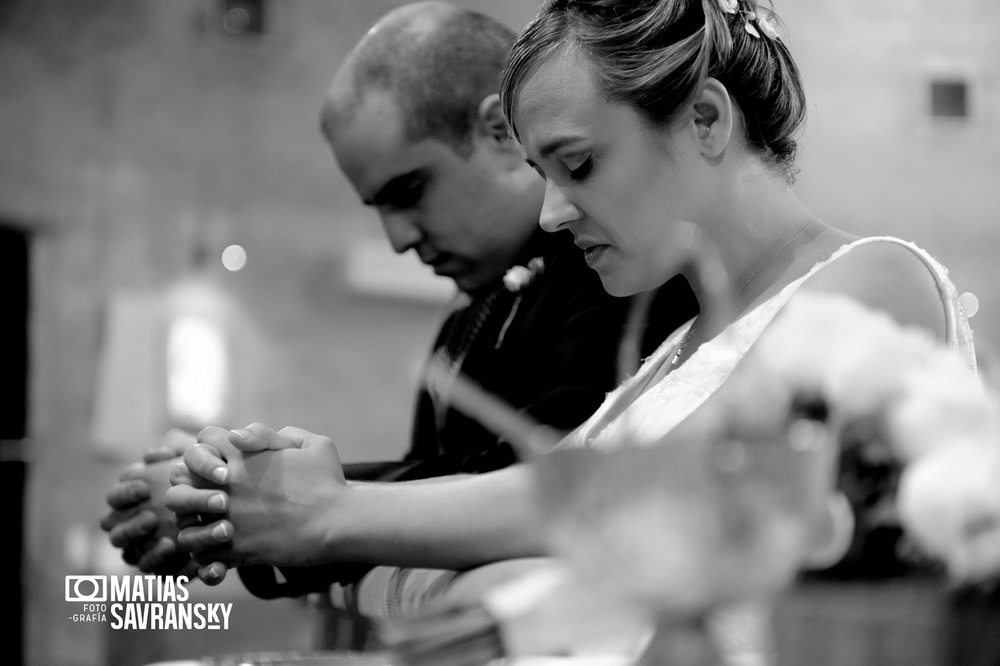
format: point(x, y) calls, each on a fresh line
point(438, 62)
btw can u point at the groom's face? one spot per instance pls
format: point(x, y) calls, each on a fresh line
point(454, 211)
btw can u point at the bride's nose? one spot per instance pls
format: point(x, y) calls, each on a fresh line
point(557, 209)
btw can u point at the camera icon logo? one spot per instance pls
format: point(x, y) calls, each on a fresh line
point(88, 589)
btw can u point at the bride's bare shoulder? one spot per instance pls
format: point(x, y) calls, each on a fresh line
point(888, 276)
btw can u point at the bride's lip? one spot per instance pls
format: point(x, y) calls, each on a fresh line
point(587, 243)
point(593, 249)
point(593, 254)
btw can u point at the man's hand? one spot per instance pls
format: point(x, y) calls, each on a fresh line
point(138, 521)
point(255, 496)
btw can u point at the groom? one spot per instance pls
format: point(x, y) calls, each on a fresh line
point(414, 122)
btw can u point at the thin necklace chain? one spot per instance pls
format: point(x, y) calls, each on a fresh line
point(767, 260)
point(774, 254)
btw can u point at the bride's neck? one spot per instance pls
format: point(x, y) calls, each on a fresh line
point(761, 218)
point(756, 242)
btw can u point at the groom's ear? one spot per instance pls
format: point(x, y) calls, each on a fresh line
point(489, 120)
point(712, 120)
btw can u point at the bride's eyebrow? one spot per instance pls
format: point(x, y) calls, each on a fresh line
point(555, 144)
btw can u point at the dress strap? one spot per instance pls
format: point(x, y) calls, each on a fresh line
point(958, 331)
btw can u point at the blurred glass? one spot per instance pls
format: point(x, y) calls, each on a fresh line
point(690, 524)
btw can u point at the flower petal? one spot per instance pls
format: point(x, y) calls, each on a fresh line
point(767, 27)
point(728, 6)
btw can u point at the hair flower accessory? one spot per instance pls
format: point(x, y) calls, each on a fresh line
point(728, 6)
point(766, 26)
point(518, 278)
point(750, 17)
point(754, 22)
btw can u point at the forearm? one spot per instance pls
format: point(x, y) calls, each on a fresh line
point(454, 522)
point(292, 507)
point(407, 482)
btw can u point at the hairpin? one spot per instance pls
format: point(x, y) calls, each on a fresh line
point(749, 18)
point(763, 22)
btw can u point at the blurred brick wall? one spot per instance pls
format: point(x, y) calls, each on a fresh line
point(874, 161)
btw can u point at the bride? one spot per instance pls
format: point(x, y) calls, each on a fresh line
point(638, 116)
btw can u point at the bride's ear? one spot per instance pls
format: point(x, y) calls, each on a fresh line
point(713, 118)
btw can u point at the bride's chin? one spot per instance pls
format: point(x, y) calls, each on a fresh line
point(617, 287)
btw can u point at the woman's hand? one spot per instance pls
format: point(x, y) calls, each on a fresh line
point(268, 491)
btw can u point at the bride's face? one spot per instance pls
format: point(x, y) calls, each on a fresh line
point(617, 183)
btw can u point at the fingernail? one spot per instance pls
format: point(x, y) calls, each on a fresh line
point(220, 474)
point(242, 433)
point(220, 531)
point(217, 502)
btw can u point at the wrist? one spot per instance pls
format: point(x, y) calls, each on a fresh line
point(333, 530)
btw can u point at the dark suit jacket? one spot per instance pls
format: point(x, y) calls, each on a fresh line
point(557, 359)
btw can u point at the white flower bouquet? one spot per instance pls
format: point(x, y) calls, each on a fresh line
point(919, 435)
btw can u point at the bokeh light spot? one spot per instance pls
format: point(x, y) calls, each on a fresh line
point(236, 20)
point(234, 257)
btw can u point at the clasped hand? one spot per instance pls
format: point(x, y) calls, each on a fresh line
point(137, 521)
point(255, 496)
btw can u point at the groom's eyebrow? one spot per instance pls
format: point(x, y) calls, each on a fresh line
point(388, 191)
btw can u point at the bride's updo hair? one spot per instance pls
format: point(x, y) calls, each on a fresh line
point(655, 55)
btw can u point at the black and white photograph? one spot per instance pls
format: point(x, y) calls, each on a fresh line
point(510, 333)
